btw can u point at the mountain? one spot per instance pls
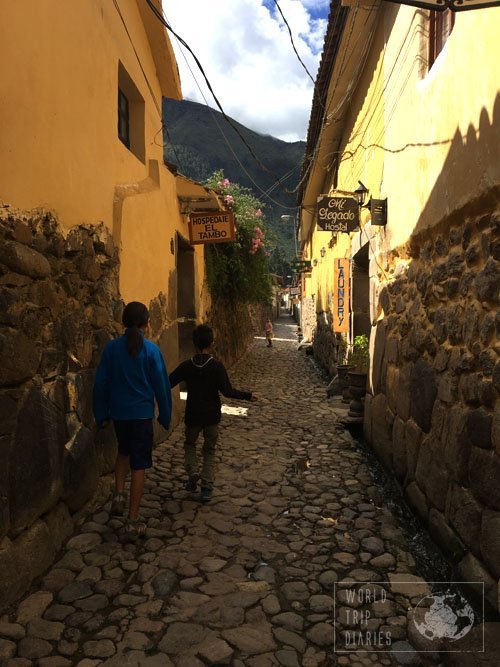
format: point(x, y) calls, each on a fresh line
point(196, 144)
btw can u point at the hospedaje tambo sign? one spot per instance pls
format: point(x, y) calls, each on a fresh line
point(337, 214)
point(340, 297)
point(211, 227)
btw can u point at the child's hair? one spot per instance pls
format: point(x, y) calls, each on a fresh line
point(203, 337)
point(135, 315)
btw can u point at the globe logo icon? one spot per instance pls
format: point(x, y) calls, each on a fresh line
point(444, 616)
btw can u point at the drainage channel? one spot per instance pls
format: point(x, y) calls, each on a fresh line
point(430, 562)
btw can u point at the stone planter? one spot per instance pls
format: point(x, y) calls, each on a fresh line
point(357, 389)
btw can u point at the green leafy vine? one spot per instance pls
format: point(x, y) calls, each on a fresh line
point(239, 271)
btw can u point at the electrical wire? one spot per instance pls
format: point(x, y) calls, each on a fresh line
point(373, 107)
point(293, 43)
point(337, 23)
point(151, 92)
point(162, 19)
point(236, 157)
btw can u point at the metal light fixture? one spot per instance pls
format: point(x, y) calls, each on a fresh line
point(322, 252)
point(361, 191)
point(443, 5)
point(315, 262)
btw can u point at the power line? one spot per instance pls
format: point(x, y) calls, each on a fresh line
point(293, 44)
point(264, 193)
point(337, 23)
point(161, 18)
point(151, 92)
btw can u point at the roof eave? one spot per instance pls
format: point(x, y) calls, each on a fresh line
point(162, 51)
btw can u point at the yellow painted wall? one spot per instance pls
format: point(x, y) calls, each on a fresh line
point(59, 146)
point(366, 116)
point(434, 159)
point(427, 140)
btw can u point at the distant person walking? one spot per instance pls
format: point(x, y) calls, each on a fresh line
point(269, 332)
point(130, 375)
point(205, 378)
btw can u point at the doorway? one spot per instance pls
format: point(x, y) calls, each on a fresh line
point(361, 293)
point(186, 298)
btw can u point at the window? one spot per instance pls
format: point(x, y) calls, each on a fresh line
point(440, 27)
point(130, 115)
point(123, 118)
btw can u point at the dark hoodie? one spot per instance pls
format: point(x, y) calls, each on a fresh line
point(205, 378)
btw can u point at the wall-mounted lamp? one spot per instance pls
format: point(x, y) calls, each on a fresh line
point(377, 207)
point(322, 252)
point(361, 191)
point(315, 262)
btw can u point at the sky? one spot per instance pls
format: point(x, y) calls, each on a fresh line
point(245, 49)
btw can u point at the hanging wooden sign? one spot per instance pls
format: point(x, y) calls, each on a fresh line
point(340, 301)
point(211, 227)
point(338, 214)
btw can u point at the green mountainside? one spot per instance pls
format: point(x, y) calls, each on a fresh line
point(199, 148)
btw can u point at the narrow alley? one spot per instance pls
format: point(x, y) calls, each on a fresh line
point(248, 579)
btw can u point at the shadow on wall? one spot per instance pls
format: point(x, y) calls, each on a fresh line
point(434, 417)
point(471, 168)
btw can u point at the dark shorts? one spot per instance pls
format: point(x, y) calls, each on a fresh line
point(135, 440)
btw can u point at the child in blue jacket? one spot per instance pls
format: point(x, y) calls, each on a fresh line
point(131, 374)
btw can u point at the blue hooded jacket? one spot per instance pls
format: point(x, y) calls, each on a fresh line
point(125, 386)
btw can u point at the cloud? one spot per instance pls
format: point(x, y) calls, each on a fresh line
point(245, 50)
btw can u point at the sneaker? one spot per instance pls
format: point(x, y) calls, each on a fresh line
point(192, 484)
point(205, 494)
point(118, 505)
point(134, 530)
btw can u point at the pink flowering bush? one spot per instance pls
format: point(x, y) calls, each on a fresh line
point(240, 269)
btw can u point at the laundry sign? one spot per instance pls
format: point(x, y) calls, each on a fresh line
point(211, 227)
point(340, 301)
point(338, 214)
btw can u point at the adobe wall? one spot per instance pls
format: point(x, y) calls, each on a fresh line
point(434, 415)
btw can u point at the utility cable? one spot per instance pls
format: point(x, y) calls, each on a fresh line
point(161, 18)
point(153, 96)
point(293, 43)
point(229, 145)
point(337, 24)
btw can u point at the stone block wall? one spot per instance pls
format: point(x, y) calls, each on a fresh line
point(326, 343)
point(59, 305)
point(434, 416)
point(308, 318)
point(235, 325)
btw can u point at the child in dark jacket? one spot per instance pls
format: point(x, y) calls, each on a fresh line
point(205, 378)
point(130, 375)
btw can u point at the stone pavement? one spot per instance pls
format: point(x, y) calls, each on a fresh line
point(247, 580)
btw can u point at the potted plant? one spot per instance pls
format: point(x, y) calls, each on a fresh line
point(359, 357)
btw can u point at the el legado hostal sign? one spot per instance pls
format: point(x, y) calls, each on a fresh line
point(341, 285)
point(211, 227)
point(338, 214)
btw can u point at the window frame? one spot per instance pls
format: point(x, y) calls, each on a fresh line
point(441, 25)
point(123, 118)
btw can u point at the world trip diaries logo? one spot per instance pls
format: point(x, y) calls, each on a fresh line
point(405, 617)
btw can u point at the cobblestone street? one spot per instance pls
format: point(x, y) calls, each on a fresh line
point(248, 579)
